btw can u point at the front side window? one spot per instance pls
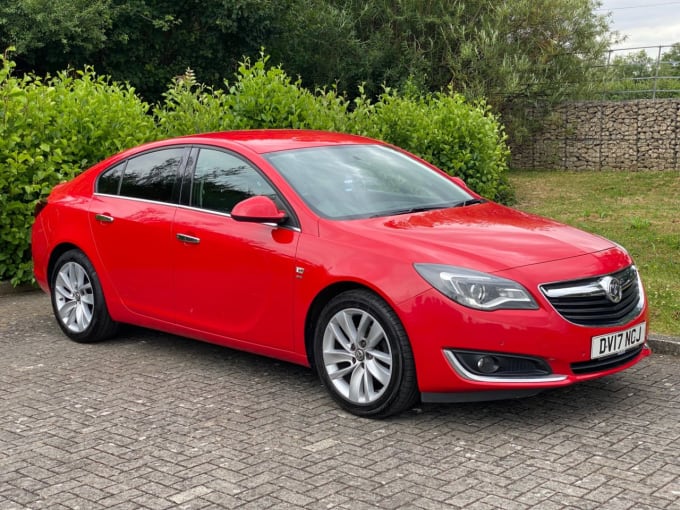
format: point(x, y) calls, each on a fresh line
point(151, 176)
point(221, 180)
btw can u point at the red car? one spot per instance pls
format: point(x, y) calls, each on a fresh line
point(393, 280)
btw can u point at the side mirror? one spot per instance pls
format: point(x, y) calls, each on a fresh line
point(259, 209)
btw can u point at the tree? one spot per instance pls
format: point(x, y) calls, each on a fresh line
point(318, 41)
point(505, 51)
point(512, 53)
point(153, 40)
point(145, 42)
point(670, 61)
point(533, 48)
point(498, 50)
point(50, 35)
point(633, 65)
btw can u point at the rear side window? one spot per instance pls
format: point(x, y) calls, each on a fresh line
point(221, 180)
point(109, 181)
point(150, 176)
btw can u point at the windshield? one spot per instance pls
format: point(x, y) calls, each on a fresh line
point(363, 181)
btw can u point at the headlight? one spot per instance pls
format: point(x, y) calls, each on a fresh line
point(477, 290)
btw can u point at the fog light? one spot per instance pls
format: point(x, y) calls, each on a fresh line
point(496, 364)
point(487, 364)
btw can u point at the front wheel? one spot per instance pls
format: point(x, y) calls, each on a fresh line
point(78, 301)
point(363, 355)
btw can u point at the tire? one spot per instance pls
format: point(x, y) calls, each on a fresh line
point(363, 356)
point(78, 301)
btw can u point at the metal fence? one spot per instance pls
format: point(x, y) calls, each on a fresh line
point(651, 75)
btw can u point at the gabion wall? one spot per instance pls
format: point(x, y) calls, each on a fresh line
point(605, 135)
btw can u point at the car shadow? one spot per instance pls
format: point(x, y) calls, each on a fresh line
point(297, 386)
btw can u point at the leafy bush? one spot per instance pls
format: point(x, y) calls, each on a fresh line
point(189, 107)
point(260, 97)
point(52, 129)
point(49, 131)
point(462, 139)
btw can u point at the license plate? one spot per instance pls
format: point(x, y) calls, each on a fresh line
point(619, 341)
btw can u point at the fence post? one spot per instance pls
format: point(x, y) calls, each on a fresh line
point(656, 73)
point(606, 75)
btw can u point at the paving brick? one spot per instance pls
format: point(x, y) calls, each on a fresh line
point(152, 421)
point(188, 495)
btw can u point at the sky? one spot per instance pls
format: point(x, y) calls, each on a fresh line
point(645, 22)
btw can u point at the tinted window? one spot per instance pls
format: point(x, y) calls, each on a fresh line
point(221, 180)
point(152, 176)
point(109, 181)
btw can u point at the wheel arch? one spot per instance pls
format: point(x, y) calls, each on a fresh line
point(57, 252)
point(93, 324)
point(107, 289)
point(401, 390)
point(319, 303)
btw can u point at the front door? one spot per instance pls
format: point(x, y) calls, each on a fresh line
point(232, 278)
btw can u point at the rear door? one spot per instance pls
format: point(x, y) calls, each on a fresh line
point(131, 218)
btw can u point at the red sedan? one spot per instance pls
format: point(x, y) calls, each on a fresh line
point(393, 280)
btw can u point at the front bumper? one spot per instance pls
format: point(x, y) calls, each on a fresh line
point(437, 326)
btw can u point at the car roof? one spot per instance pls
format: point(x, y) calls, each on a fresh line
point(271, 140)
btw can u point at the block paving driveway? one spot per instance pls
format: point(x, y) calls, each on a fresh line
point(153, 421)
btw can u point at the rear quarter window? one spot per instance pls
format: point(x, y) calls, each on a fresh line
point(109, 181)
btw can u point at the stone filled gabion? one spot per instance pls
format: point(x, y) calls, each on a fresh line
point(605, 135)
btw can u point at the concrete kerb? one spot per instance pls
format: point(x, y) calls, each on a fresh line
point(660, 344)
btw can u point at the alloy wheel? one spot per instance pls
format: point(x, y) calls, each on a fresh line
point(357, 356)
point(74, 297)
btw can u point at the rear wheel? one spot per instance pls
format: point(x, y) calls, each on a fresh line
point(364, 357)
point(78, 301)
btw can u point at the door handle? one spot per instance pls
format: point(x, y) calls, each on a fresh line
point(104, 218)
point(188, 239)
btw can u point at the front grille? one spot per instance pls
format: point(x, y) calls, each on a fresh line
point(586, 301)
point(598, 365)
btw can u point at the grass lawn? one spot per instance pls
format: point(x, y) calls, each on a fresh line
point(639, 210)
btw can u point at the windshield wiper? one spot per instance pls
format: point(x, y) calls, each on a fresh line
point(471, 201)
point(410, 210)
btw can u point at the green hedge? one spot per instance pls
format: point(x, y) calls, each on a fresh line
point(52, 128)
point(462, 139)
point(260, 97)
point(49, 131)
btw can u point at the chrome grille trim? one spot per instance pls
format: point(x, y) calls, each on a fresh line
point(586, 302)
